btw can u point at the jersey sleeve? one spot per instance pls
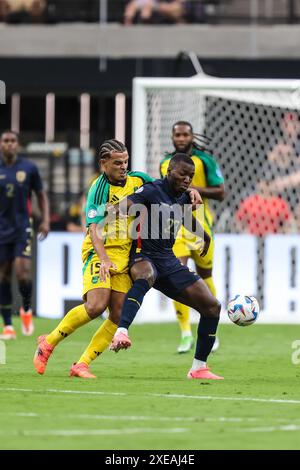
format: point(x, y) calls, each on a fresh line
point(36, 183)
point(163, 167)
point(214, 175)
point(142, 195)
point(96, 203)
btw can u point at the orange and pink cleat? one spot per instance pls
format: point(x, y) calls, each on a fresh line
point(203, 374)
point(81, 370)
point(42, 354)
point(120, 341)
point(26, 322)
point(8, 333)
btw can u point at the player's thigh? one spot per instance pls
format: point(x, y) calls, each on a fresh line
point(6, 270)
point(97, 301)
point(91, 275)
point(199, 297)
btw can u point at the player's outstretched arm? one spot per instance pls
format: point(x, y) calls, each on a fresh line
point(212, 192)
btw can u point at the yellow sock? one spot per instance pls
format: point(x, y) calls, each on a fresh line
point(182, 313)
point(74, 319)
point(211, 285)
point(100, 341)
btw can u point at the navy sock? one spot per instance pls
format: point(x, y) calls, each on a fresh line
point(133, 302)
point(6, 302)
point(25, 288)
point(207, 329)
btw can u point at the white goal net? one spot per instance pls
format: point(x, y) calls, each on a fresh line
point(254, 127)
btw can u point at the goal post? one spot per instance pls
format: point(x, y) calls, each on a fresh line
point(150, 101)
point(254, 127)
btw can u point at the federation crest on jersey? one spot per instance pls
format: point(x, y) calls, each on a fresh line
point(139, 190)
point(21, 176)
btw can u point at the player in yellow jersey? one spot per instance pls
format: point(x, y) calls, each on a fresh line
point(105, 263)
point(208, 180)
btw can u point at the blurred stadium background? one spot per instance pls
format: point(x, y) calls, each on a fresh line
point(69, 66)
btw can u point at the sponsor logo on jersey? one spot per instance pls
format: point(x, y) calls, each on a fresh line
point(21, 176)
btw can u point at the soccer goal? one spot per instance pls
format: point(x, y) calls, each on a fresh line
point(254, 127)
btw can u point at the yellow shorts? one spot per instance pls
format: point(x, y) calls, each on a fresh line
point(119, 279)
point(185, 247)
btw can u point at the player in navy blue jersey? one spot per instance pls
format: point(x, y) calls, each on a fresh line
point(153, 263)
point(18, 178)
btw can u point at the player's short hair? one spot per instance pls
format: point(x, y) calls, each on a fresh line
point(9, 131)
point(111, 146)
point(182, 123)
point(178, 158)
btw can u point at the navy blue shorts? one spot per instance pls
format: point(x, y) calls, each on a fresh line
point(172, 277)
point(19, 249)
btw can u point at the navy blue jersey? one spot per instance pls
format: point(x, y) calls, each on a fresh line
point(163, 218)
point(16, 184)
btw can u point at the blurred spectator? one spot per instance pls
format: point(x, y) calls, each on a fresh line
point(263, 214)
point(163, 11)
point(282, 170)
point(74, 222)
point(22, 11)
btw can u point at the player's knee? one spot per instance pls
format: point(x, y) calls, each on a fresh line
point(94, 308)
point(214, 310)
point(149, 277)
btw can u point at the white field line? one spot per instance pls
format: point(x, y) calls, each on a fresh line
point(93, 432)
point(159, 395)
point(220, 419)
point(287, 428)
point(53, 390)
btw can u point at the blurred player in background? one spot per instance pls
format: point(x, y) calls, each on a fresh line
point(18, 178)
point(105, 264)
point(208, 180)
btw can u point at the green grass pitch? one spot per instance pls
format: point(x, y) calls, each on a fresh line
point(141, 398)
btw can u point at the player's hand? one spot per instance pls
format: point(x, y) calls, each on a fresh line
point(43, 230)
point(195, 196)
point(105, 266)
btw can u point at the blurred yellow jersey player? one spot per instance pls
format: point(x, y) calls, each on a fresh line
point(208, 180)
point(105, 256)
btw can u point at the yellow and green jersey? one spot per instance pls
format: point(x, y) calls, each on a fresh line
point(103, 192)
point(207, 173)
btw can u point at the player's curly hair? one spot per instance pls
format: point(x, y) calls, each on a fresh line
point(111, 146)
point(200, 142)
